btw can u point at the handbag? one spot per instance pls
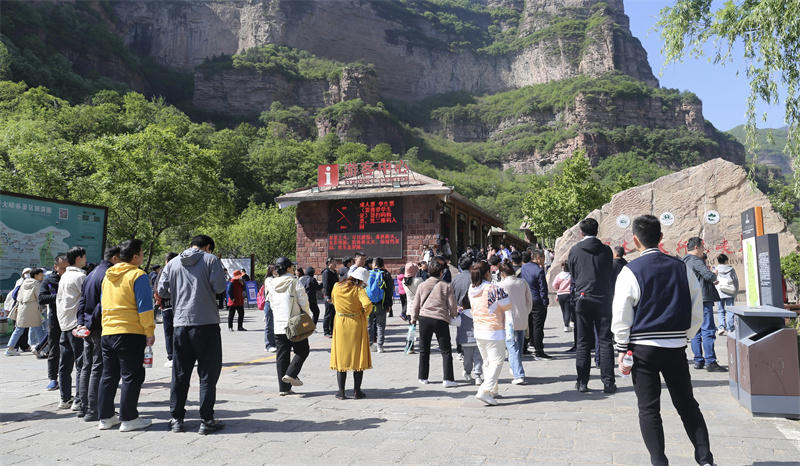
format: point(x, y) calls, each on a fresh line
point(300, 325)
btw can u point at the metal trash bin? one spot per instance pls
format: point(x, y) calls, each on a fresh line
point(763, 361)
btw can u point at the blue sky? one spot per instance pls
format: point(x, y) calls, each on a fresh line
point(723, 93)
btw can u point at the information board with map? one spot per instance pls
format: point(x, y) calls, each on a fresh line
point(34, 230)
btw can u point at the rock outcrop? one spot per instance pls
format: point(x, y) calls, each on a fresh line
point(246, 93)
point(588, 114)
point(183, 34)
point(688, 195)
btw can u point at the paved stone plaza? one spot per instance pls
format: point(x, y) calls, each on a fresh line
point(401, 421)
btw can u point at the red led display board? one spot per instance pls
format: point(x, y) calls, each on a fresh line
point(373, 227)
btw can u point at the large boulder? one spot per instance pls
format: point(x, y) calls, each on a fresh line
point(689, 196)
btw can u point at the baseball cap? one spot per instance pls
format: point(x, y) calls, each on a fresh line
point(283, 262)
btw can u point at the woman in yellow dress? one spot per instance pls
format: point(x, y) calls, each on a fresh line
point(350, 343)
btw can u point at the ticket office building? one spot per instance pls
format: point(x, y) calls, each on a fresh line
point(393, 222)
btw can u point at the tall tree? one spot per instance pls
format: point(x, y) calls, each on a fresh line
point(553, 206)
point(770, 33)
point(151, 181)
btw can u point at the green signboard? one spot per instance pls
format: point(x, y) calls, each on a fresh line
point(33, 230)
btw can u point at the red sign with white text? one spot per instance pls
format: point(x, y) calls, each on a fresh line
point(328, 176)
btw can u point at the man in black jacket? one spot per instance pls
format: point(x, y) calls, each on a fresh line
point(329, 278)
point(311, 286)
point(619, 261)
point(590, 262)
point(90, 318)
point(703, 341)
point(47, 297)
point(532, 271)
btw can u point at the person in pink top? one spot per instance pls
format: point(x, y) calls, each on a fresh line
point(562, 285)
point(401, 291)
point(491, 312)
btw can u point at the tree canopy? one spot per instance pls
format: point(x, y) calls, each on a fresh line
point(769, 31)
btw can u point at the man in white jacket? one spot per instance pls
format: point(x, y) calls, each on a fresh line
point(657, 308)
point(67, 298)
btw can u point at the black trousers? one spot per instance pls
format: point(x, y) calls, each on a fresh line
point(327, 321)
point(123, 356)
point(71, 358)
point(232, 310)
point(203, 344)
point(567, 313)
point(52, 343)
point(91, 373)
point(536, 327)
point(312, 304)
point(167, 317)
point(593, 315)
point(427, 328)
point(649, 363)
point(287, 365)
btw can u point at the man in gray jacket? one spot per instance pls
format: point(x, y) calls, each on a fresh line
point(192, 281)
point(703, 341)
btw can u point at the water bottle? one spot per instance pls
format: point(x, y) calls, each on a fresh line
point(627, 364)
point(148, 357)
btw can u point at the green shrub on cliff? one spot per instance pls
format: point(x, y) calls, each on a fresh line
point(290, 62)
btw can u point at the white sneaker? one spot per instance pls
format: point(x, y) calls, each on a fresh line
point(424, 381)
point(135, 424)
point(12, 352)
point(168, 363)
point(106, 424)
point(272, 349)
point(478, 381)
point(467, 377)
point(486, 398)
point(65, 404)
point(373, 347)
point(449, 384)
point(291, 380)
point(518, 381)
point(567, 329)
point(76, 405)
point(380, 349)
point(572, 325)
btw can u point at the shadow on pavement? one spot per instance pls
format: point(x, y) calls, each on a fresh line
point(238, 425)
point(36, 415)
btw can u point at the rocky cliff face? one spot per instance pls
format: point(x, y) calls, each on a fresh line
point(715, 185)
point(182, 34)
point(584, 117)
point(246, 93)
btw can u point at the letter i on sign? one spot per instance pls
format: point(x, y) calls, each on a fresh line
point(328, 176)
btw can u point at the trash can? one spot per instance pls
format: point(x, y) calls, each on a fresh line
point(763, 361)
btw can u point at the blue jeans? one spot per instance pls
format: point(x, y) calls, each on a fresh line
point(515, 353)
point(269, 328)
point(703, 342)
point(35, 336)
point(725, 319)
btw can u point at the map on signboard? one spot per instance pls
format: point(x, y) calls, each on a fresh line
point(33, 231)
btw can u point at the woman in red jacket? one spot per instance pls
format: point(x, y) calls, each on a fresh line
point(235, 293)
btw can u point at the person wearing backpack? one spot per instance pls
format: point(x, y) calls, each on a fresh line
point(380, 290)
point(727, 288)
point(284, 294)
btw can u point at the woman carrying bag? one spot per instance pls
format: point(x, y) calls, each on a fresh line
point(287, 299)
point(410, 284)
point(350, 342)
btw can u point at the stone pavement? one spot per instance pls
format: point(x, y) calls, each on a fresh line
point(401, 421)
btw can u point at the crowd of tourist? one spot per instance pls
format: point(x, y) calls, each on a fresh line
point(100, 321)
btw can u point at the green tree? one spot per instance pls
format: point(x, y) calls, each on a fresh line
point(770, 32)
point(267, 232)
point(783, 200)
point(553, 206)
point(151, 181)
